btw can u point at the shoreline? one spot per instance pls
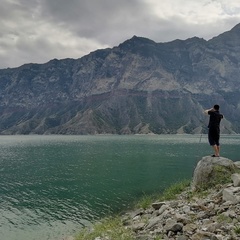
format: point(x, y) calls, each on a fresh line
point(181, 213)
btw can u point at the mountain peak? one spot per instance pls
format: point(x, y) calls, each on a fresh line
point(139, 87)
point(236, 28)
point(229, 38)
point(136, 41)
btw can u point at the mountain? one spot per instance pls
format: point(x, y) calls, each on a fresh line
point(139, 86)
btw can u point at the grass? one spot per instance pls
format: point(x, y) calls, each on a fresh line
point(224, 219)
point(169, 194)
point(145, 201)
point(109, 228)
point(237, 230)
point(113, 228)
point(220, 175)
point(177, 188)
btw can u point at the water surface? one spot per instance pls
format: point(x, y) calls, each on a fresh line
point(52, 186)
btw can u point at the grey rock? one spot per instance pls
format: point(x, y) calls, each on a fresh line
point(204, 172)
point(173, 226)
point(144, 237)
point(211, 217)
point(182, 238)
point(162, 209)
point(237, 164)
point(231, 194)
point(157, 205)
point(138, 226)
point(182, 218)
point(236, 179)
point(202, 235)
point(186, 209)
point(136, 213)
point(190, 228)
point(153, 222)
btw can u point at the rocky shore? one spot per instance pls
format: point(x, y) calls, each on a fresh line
point(208, 210)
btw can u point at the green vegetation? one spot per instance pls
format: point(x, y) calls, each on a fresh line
point(169, 194)
point(113, 227)
point(237, 230)
point(220, 176)
point(177, 188)
point(146, 201)
point(224, 219)
point(110, 227)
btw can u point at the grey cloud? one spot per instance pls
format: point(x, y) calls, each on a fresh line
point(39, 30)
point(95, 19)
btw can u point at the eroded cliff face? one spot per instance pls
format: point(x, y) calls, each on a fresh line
point(137, 87)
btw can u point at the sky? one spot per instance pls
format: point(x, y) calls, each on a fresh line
point(36, 31)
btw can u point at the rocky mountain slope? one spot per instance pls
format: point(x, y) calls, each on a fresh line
point(139, 86)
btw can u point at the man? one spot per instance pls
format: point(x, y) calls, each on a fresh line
point(214, 128)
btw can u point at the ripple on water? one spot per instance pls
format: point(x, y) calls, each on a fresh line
point(51, 186)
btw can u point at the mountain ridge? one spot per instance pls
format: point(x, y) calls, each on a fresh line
point(139, 86)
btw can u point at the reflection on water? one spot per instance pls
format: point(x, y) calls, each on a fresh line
point(51, 186)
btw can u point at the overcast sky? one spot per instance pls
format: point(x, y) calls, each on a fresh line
point(37, 31)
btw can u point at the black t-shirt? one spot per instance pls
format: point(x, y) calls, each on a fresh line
point(215, 119)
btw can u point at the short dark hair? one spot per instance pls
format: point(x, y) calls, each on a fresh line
point(216, 107)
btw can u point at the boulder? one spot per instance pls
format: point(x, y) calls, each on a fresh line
point(157, 205)
point(231, 194)
point(208, 170)
point(236, 179)
point(237, 164)
point(173, 226)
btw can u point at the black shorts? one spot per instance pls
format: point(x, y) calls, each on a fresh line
point(213, 136)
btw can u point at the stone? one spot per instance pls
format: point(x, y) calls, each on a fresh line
point(157, 205)
point(173, 226)
point(237, 164)
point(153, 222)
point(186, 209)
point(138, 226)
point(182, 237)
point(203, 173)
point(182, 218)
point(236, 179)
point(212, 227)
point(197, 218)
point(190, 228)
point(231, 194)
point(230, 214)
point(202, 235)
point(162, 209)
point(136, 213)
point(144, 237)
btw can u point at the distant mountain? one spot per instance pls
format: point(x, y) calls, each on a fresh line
point(139, 86)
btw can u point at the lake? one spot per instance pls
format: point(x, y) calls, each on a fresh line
point(52, 186)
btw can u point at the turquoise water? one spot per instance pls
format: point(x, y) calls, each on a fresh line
point(52, 186)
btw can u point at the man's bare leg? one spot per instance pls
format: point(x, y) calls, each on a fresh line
point(216, 150)
point(218, 147)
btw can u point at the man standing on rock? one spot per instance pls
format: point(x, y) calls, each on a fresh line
point(214, 128)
